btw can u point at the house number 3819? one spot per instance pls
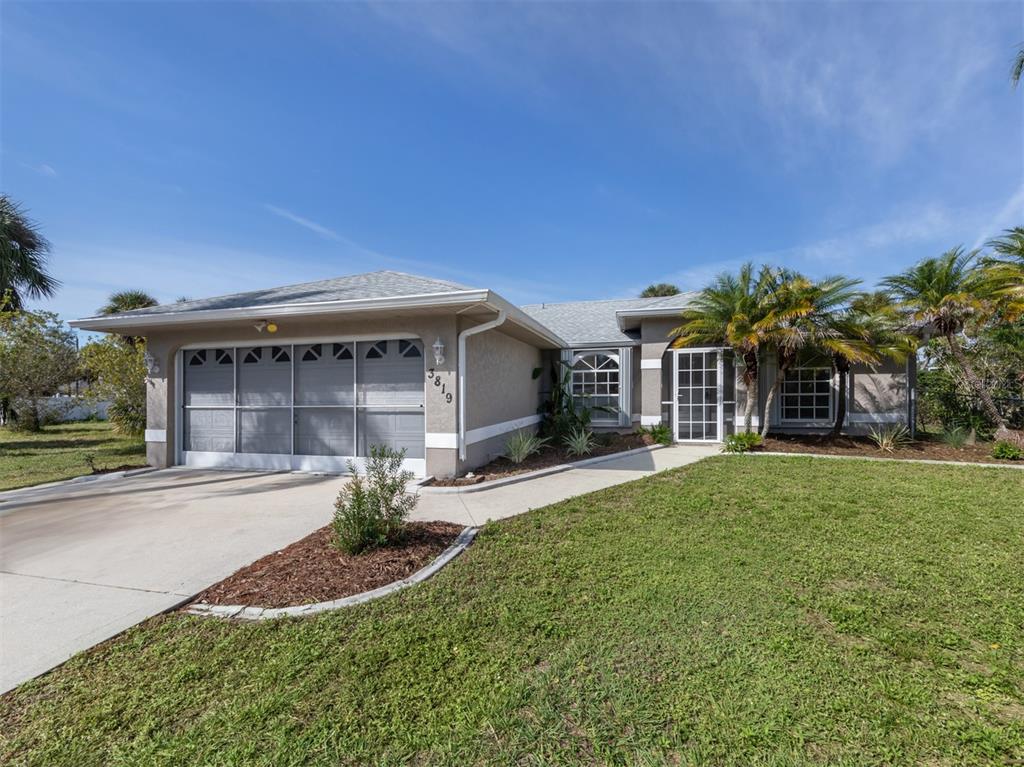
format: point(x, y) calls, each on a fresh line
point(431, 375)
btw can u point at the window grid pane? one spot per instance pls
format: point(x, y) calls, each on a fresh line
point(807, 394)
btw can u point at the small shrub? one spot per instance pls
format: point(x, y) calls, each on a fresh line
point(955, 436)
point(90, 461)
point(742, 442)
point(659, 433)
point(580, 441)
point(522, 445)
point(889, 439)
point(371, 510)
point(1007, 451)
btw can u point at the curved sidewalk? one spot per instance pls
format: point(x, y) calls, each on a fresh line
point(475, 508)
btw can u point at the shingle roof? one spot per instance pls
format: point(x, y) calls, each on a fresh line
point(382, 284)
point(594, 322)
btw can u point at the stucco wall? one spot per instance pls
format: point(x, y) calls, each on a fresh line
point(500, 386)
point(440, 415)
point(654, 341)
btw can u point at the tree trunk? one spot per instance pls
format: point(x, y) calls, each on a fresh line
point(842, 368)
point(750, 374)
point(979, 388)
point(779, 378)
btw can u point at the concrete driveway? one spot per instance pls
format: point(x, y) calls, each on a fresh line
point(80, 563)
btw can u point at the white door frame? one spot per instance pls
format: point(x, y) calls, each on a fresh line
point(719, 385)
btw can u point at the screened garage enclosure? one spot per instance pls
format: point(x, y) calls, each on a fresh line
point(311, 406)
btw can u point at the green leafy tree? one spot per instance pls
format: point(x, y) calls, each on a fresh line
point(117, 373)
point(940, 296)
point(804, 316)
point(728, 312)
point(23, 254)
point(38, 355)
point(660, 289)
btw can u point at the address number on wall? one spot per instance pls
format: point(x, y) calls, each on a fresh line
point(432, 376)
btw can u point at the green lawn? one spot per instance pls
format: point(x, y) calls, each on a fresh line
point(60, 452)
point(743, 610)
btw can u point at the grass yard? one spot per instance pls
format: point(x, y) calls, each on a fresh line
point(740, 611)
point(60, 452)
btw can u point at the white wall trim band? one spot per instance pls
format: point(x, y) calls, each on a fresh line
point(650, 420)
point(895, 416)
point(156, 435)
point(654, 364)
point(328, 464)
point(442, 440)
point(497, 429)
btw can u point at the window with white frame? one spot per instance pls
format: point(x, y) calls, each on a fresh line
point(807, 394)
point(596, 380)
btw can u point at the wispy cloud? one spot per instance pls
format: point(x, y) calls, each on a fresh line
point(1010, 215)
point(306, 223)
point(43, 169)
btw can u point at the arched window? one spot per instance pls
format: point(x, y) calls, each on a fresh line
point(595, 382)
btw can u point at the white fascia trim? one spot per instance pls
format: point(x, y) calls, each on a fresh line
point(497, 429)
point(284, 310)
point(654, 364)
point(441, 440)
point(156, 435)
point(650, 420)
point(521, 318)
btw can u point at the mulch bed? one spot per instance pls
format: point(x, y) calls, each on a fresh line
point(499, 468)
point(925, 447)
point(313, 570)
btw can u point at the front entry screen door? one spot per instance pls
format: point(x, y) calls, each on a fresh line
point(697, 395)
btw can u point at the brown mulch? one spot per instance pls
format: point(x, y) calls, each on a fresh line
point(607, 444)
point(313, 570)
point(925, 447)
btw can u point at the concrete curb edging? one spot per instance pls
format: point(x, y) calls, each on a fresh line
point(528, 475)
point(243, 612)
point(880, 458)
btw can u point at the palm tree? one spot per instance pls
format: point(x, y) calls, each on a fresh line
point(23, 253)
point(867, 332)
point(941, 295)
point(1004, 271)
point(127, 300)
point(1017, 71)
point(660, 289)
point(726, 312)
point(805, 316)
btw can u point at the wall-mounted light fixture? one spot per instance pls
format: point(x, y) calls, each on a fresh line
point(152, 366)
point(270, 327)
point(438, 348)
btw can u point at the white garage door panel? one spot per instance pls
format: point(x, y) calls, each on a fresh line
point(244, 407)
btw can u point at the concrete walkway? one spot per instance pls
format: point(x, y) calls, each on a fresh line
point(82, 562)
point(477, 507)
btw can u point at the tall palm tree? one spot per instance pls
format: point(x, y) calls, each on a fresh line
point(726, 312)
point(804, 316)
point(868, 332)
point(941, 295)
point(127, 300)
point(1017, 71)
point(23, 253)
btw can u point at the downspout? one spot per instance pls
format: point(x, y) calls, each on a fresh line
point(462, 374)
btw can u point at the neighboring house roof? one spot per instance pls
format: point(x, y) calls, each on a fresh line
point(586, 323)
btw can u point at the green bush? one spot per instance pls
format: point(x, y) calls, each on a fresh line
point(1007, 451)
point(371, 510)
point(522, 445)
point(660, 433)
point(579, 441)
point(889, 439)
point(956, 436)
point(742, 442)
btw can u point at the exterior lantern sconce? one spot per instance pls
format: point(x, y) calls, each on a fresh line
point(438, 348)
point(270, 327)
point(152, 366)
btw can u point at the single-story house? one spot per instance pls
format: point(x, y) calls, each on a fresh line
point(309, 376)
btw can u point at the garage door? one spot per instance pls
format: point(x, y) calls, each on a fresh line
point(308, 406)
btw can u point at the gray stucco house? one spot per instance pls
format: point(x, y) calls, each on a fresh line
point(307, 377)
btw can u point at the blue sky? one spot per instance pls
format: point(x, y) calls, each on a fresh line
point(547, 151)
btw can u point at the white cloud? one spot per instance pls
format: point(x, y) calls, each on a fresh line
point(1009, 216)
point(312, 226)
